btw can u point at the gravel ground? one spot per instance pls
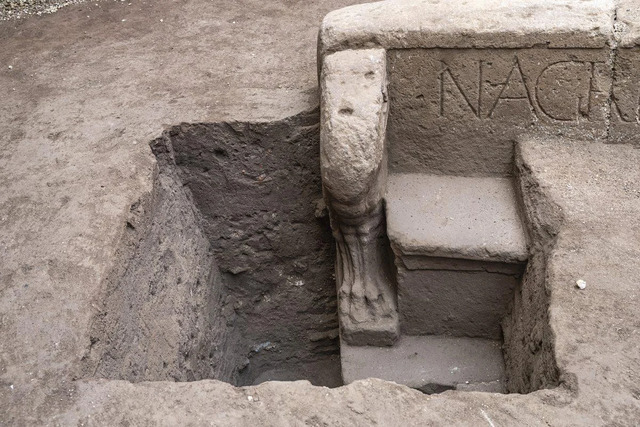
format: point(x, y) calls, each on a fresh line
point(15, 9)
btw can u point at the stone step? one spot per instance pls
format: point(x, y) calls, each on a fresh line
point(460, 251)
point(454, 303)
point(429, 363)
point(472, 218)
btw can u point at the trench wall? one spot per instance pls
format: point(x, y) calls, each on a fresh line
point(229, 271)
point(164, 315)
point(258, 188)
point(528, 338)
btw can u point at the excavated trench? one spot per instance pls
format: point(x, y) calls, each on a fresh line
point(226, 270)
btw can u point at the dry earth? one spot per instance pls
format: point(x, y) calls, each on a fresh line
point(83, 93)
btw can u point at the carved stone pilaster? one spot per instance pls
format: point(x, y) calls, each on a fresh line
point(353, 163)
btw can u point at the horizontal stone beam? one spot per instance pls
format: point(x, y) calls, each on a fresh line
point(402, 24)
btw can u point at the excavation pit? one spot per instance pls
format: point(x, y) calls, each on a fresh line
point(80, 199)
point(233, 280)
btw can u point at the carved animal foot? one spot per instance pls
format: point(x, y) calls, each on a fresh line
point(367, 302)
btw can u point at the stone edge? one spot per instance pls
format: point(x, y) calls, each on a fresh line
point(405, 24)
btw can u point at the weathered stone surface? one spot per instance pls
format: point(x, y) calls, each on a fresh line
point(430, 364)
point(469, 303)
point(478, 23)
point(354, 169)
point(627, 23)
point(625, 101)
point(353, 120)
point(454, 217)
point(625, 97)
point(457, 111)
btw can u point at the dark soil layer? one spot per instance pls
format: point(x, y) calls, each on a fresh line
point(258, 188)
point(233, 277)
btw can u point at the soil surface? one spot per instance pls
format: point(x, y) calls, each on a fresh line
point(84, 92)
point(15, 9)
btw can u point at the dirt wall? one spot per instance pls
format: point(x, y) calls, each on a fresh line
point(232, 273)
point(164, 315)
point(258, 188)
point(528, 339)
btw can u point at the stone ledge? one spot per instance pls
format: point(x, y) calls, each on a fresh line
point(454, 217)
point(404, 24)
point(428, 363)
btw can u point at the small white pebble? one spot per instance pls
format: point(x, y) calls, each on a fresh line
point(581, 284)
point(162, 20)
point(124, 20)
point(250, 398)
point(11, 67)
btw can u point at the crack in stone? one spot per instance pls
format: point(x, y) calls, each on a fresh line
point(613, 58)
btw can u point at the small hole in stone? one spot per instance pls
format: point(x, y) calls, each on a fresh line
point(370, 75)
point(346, 111)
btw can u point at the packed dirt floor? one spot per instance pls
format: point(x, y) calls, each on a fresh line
point(86, 90)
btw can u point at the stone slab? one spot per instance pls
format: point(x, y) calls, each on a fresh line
point(430, 363)
point(458, 111)
point(476, 23)
point(417, 262)
point(625, 100)
point(454, 217)
point(454, 303)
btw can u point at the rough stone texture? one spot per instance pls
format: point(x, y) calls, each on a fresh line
point(625, 108)
point(454, 303)
point(627, 23)
point(403, 24)
point(457, 111)
point(429, 364)
point(625, 104)
point(13, 9)
point(454, 217)
point(354, 115)
point(354, 172)
point(64, 138)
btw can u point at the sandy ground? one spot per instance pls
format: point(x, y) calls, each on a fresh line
point(84, 90)
point(74, 160)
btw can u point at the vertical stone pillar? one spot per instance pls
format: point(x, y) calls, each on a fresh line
point(353, 162)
